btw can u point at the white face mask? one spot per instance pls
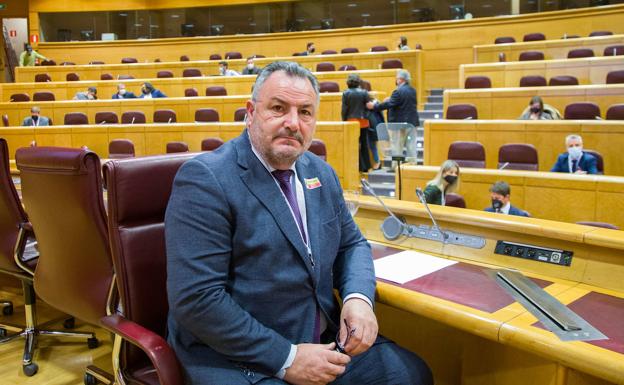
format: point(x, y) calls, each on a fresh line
point(122, 91)
point(250, 66)
point(575, 152)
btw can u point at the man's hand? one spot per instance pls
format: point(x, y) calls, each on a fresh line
point(370, 105)
point(359, 316)
point(316, 364)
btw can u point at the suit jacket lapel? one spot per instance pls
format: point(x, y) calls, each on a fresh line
point(313, 207)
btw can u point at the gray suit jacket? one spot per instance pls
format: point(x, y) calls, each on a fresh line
point(241, 285)
point(43, 121)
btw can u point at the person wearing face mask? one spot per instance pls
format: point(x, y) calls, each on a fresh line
point(122, 93)
point(537, 110)
point(446, 181)
point(29, 57)
point(35, 119)
point(575, 161)
point(403, 44)
point(250, 68)
point(309, 50)
point(500, 193)
point(225, 71)
point(148, 92)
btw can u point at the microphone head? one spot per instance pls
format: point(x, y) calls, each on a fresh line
point(392, 228)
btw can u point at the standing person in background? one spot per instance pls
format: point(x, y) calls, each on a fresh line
point(122, 93)
point(35, 119)
point(354, 101)
point(250, 68)
point(446, 181)
point(575, 161)
point(148, 92)
point(403, 44)
point(29, 57)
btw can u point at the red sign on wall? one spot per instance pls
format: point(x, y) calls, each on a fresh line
point(12, 33)
point(34, 38)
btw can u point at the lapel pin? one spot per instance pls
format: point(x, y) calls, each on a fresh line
point(312, 183)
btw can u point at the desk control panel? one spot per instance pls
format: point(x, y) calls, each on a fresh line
point(535, 253)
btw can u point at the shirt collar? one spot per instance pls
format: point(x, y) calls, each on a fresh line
point(505, 209)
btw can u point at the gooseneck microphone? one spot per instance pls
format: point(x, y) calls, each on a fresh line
point(392, 227)
point(421, 197)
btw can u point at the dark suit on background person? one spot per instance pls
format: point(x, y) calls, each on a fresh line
point(401, 106)
point(512, 211)
point(127, 95)
point(354, 101)
point(587, 163)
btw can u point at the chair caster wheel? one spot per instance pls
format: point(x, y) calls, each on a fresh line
point(69, 323)
point(89, 379)
point(30, 369)
point(7, 310)
point(3, 332)
point(93, 343)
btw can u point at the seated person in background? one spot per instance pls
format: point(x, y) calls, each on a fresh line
point(35, 119)
point(148, 92)
point(500, 194)
point(537, 110)
point(122, 93)
point(29, 56)
point(575, 161)
point(225, 71)
point(89, 94)
point(309, 50)
point(403, 44)
point(446, 181)
point(250, 68)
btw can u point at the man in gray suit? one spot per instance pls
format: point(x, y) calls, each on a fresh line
point(35, 119)
point(258, 236)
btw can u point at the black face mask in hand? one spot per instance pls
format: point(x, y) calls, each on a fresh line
point(450, 179)
point(497, 205)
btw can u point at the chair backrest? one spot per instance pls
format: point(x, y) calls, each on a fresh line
point(165, 116)
point(133, 117)
point(137, 236)
point(191, 73)
point(477, 82)
point(536, 36)
point(75, 118)
point(391, 63)
point(191, 92)
point(96, 62)
point(329, 52)
point(5, 120)
point(239, 114)
point(329, 87)
point(532, 81)
point(72, 77)
point(365, 84)
point(563, 80)
point(216, 91)
point(106, 77)
point(173, 147)
point(233, 55)
point(582, 110)
point(68, 63)
point(502, 57)
point(603, 225)
point(48, 63)
point(518, 156)
point(454, 200)
point(580, 52)
point(615, 112)
point(599, 160)
point(317, 147)
point(129, 60)
point(206, 115)
point(62, 188)
point(379, 48)
point(211, 144)
point(125, 77)
point(531, 55)
point(106, 117)
point(347, 67)
point(504, 39)
point(42, 78)
point(600, 33)
point(614, 77)
point(461, 111)
point(467, 154)
point(164, 74)
point(349, 50)
point(259, 56)
point(184, 58)
point(215, 56)
point(325, 67)
point(19, 97)
point(120, 149)
point(43, 96)
point(613, 50)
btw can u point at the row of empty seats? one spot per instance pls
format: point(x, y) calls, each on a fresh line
point(138, 117)
point(613, 50)
point(477, 81)
point(573, 111)
point(538, 36)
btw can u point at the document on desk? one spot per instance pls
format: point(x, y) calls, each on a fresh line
point(408, 265)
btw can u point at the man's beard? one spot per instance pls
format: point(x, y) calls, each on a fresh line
point(287, 156)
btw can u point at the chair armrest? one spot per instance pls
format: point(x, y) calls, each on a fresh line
point(157, 349)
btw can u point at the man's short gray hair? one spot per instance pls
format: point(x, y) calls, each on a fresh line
point(573, 137)
point(405, 75)
point(291, 69)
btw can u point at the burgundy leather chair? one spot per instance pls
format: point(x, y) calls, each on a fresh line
point(461, 111)
point(62, 188)
point(190, 92)
point(184, 58)
point(347, 67)
point(106, 117)
point(477, 82)
point(349, 50)
point(325, 67)
point(600, 33)
point(603, 225)
point(211, 144)
point(365, 84)
point(206, 115)
point(599, 160)
point(504, 40)
point(379, 48)
point(120, 149)
point(233, 55)
point(615, 112)
point(418, 46)
point(454, 200)
point(317, 147)
point(43, 96)
point(613, 50)
point(329, 52)
point(582, 110)
point(615, 77)
point(129, 60)
point(563, 80)
point(239, 114)
point(174, 147)
point(531, 55)
point(125, 77)
point(106, 77)
point(329, 87)
point(215, 56)
point(19, 97)
point(533, 81)
point(72, 77)
point(133, 117)
point(191, 73)
point(391, 63)
point(164, 74)
point(48, 63)
point(580, 52)
point(96, 62)
point(518, 156)
point(75, 118)
point(5, 120)
point(165, 116)
point(259, 56)
point(42, 78)
point(467, 154)
point(536, 36)
point(216, 91)
point(137, 235)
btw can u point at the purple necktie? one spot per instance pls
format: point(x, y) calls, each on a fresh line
point(283, 177)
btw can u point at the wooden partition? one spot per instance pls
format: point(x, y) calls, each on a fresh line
point(341, 140)
point(545, 195)
point(548, 137)
point(508, 103)
point(381, 80)
point(592, 70)
point(552, 49)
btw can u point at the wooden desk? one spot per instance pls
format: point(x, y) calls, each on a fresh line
point(552, 49)
point(555, 196)
point(508, 103)
point(548, 137)
point(592, 70)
